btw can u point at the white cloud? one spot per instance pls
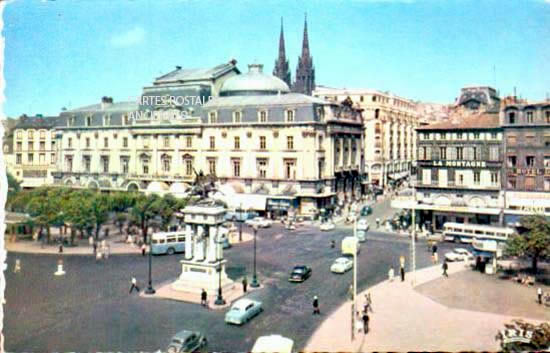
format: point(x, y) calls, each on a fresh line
point(128, 38)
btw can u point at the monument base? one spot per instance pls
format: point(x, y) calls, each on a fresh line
point(196, 276)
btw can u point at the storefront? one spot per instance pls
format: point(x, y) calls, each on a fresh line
point(281, 206)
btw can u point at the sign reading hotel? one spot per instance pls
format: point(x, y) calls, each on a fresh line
point(468, 164)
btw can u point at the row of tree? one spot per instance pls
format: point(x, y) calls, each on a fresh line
point(86, 211)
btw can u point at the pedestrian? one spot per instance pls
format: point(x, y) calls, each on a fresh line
point(106, 234)
point(445, 267)
point(17, 267)
point(539, 294)
point(245, 283)
point(143, 248)
point(366, 322)
point(434, 249)
point(391, 273)
point(95, 247)
point(91, 240)
point(332, 244)
point(316, 306)
point(204, 297)
point(436, 258)
point(377, 222)
point(61, 248)
point(98, 256)
point(134, 285)
point(402, 274)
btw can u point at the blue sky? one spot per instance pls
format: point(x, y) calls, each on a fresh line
point(71, 53)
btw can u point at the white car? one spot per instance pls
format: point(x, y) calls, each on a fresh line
point(459, 254)
point(259, 221)
point(327, 226)
point(362, 224)
point(341, 265)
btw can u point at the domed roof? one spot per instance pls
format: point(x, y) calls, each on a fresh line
point(254, 82)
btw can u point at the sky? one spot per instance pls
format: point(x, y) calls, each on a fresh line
point(70, 53)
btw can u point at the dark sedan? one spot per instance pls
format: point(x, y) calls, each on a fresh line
point(300, 273)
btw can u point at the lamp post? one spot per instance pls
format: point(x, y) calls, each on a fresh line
point(413, 236)
point(354, 294)
point(219, 299)
point(240, 222)
point(254, 282)
point(150, 290)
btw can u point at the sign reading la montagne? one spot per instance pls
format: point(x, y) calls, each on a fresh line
point(469, 164)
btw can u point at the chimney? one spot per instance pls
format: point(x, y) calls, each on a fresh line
point(106, 102)
point(233, 62)
point(178, 67)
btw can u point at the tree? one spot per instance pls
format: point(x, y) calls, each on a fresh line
point(45, 208)
point(534, 242)
point(78, 211)
point(13, 185)
point(144, 211)
point(120, 220)
point(100, 206)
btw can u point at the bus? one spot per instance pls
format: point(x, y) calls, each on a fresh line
point(168, 243)
point(466, 233)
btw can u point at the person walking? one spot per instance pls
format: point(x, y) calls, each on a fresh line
point(539, 294)
point(91, 240)
point(402, 274)
point(365, 322)
point(134, 285)
point(245, 284)
point(445, 267)
point(316, 309)
point(143, 248)
point(61, 248)
point(391, 274)
point(95, 247)
point(17, 267)
point(204, 297)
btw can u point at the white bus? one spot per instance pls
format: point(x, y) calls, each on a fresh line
point(466, 233)
point(168, 243)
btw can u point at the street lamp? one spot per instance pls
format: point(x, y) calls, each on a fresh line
point(354, 294)
point(219, 299)
point(240, 222)
point(150, 289)
point(413, 236)
point(255, 283)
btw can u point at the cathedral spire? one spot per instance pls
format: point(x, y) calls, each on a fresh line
point(305, 72)
point(281, 64)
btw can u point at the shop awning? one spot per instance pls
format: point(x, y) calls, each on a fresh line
point(400, 175)
point(485, 254)
point(255, 202)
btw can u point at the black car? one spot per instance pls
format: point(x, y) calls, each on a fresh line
point(366, 210)
point(300, 273)
point(186, 341)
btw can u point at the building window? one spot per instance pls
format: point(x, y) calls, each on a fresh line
point(460, 179)
point(30, 146)
point(42, 134)
point(511, 162)
point(105, 142)
point(476, 154)
point(236, 168)
point(189, 141)
point(512, 184)
point(494, 135)
point(19, 134)
point(42, 146)
point(376, 112)
point(145, 165)
point(105, 163)
point(530, 161)
point(361, 98)
point(290, 142)
point(70, 142)
point(422, 153)
point(426, 176)
point(237, 117)
point(87, 164)
point(476, 135)
point(290, 116)
point(290, 171)
point(494, 178)
point(88, 120)
point(459, 135)
point(166, 141)
point(188, 166)
point(546, 161)
point(529, 117)
point(494, 153)
point(477, 177)
point(19, 146)
point(442, 153)
point(18, 158)
point(212, 142)
point(511, 118)
point(547, 184)
point(530, 183)
point(212, 166)
point(263, 116)
point(547, 115)
point(262, 168)
point(320, 142)
point(321, 167)
point(213, 117)
point(237, 143)
point(165, 159)
point(30, 134)
point(53, 158)
point(125, 142)
point(69, 160)
point(262, 143)
point(460, 153)
point(87, 142)
point(125, 162)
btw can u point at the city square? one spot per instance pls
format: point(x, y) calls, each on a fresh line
point(206, 196)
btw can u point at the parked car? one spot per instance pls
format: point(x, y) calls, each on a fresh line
point(186, 341)
point(327, 226)
point(361, 235)
point(242, 311)
point(365, 211)
point(300, 273)
point(362, 224)
point(341, 265)
point(259, 221)
point(459, 254)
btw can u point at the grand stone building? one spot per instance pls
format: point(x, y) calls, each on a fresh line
point(247, 130)
point(389, 124)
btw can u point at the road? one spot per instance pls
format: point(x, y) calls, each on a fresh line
point(89, 309)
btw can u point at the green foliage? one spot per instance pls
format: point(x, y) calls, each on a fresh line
point(13, 185)
point(535, 243)
point(144, 210)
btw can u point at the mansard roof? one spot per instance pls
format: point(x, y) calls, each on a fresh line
point(109, 107)
point(476, 121)
point(199, 74)
point(263, 100)
point(40, 122)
